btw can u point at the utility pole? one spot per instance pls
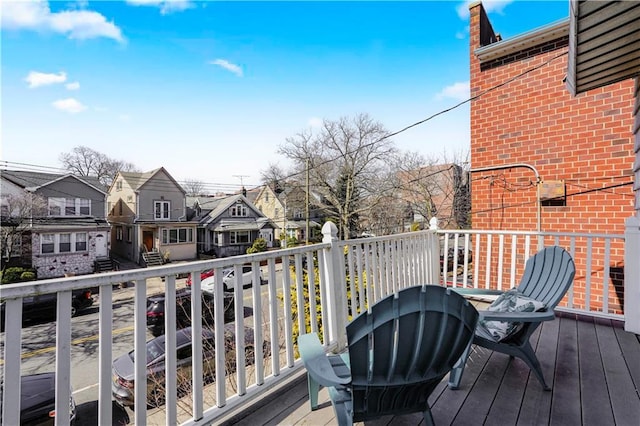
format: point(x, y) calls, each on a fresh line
point(240, 177)
point(306, 233)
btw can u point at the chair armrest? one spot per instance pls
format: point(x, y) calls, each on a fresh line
point(517, 316)
point(476, 291)
point(316, 362)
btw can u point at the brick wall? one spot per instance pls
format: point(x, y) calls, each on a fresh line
point(525, 114)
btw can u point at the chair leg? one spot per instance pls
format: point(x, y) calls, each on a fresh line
point(428, 417)
point(314, 389)
point(455, 376)
point(529, 357)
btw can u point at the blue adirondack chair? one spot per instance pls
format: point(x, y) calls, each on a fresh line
point(547, 276)
point(397, 354)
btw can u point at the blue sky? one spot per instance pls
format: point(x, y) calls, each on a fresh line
point(210, 90)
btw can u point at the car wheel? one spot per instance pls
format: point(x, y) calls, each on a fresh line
point(74, 310)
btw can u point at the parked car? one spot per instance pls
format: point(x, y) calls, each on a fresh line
point(123, 366)
point(44, 305)
point(37, 400)
point(156, 309)
point(228, 278)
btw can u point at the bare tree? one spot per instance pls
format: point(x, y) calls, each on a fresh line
point(193, 187)
point(347, 162)
point(85, 161)
point(18, 213)
point(275, 177)
point(435, 187)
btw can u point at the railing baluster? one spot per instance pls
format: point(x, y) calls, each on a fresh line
point(514, 243)
point(196, 343)
point(588, 271)
point(63, 356)
point(171, 363)
point(258, 334)
point(500, 260)
point(606, 275)
point(476, 263)
point(140, 352)
point(487, 277)
point(105, 355)
point(12, 346)
point(273, 317)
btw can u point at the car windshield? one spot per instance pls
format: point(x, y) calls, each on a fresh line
point(154, 351)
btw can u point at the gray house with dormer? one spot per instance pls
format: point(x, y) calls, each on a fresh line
point(228, 226)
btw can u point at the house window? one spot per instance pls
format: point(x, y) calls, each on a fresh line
point(239, 210)
point(81, 241)
point(65, 243)
point(16, 245)
point(162, 209)
point(119, 233)
point(69, 206)
point(56, 206)
point(84, 206)
point(239, 237)
point(276, 212)
point(119, 185)
point(47, 243)
point(129, 232)
point(297, 214)
point(177, 235)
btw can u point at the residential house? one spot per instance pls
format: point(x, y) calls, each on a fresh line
point(287, 208)
point(228, 226)
point(148, 214)
point(66, 229)
point(541, 158)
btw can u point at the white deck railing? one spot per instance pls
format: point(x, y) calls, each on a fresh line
point(350, 276)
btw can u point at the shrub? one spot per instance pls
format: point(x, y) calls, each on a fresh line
point(259, 245)
point(15, 274)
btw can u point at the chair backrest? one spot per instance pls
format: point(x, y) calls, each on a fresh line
point(548, 275)
point(401, 350)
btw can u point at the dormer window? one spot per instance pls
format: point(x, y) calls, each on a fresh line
point(239, 210)
point(69, 206)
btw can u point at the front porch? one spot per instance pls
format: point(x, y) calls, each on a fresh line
point(594, 363)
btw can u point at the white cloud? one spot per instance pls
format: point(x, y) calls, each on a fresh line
point(315, 122)
point(489, 5)
point(73, 86)
point(75, 24)
point(166, 6)
point(37, 79)
point(459, 91)
point(70, 105)
point(223, 63)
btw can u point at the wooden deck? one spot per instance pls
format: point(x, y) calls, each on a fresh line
point(593, 366)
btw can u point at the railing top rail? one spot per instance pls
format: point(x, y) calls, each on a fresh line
point(531, 233)
point(355, 241)
point(54, 285)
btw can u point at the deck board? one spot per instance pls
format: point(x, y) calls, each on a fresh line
point(594, 369)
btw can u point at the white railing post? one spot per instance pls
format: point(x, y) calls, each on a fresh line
point(335, 287)
point(632, 275)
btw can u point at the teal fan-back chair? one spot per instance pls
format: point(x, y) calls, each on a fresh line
point(547, 277)
point(397, 354)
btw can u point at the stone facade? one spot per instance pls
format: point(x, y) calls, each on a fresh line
point(61, 264)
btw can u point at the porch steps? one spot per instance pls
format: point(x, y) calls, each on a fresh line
point(152, 258)
point(104, 264)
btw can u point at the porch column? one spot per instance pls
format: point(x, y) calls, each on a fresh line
point(632, 275)
point(336, 289)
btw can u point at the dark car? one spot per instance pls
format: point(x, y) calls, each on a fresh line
point(156, 308)
point(37, 400)
point(124, 374)
point(44, 305)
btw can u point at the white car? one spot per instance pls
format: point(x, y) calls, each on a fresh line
point(229, 279)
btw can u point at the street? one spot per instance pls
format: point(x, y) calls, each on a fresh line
point(38, 348)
